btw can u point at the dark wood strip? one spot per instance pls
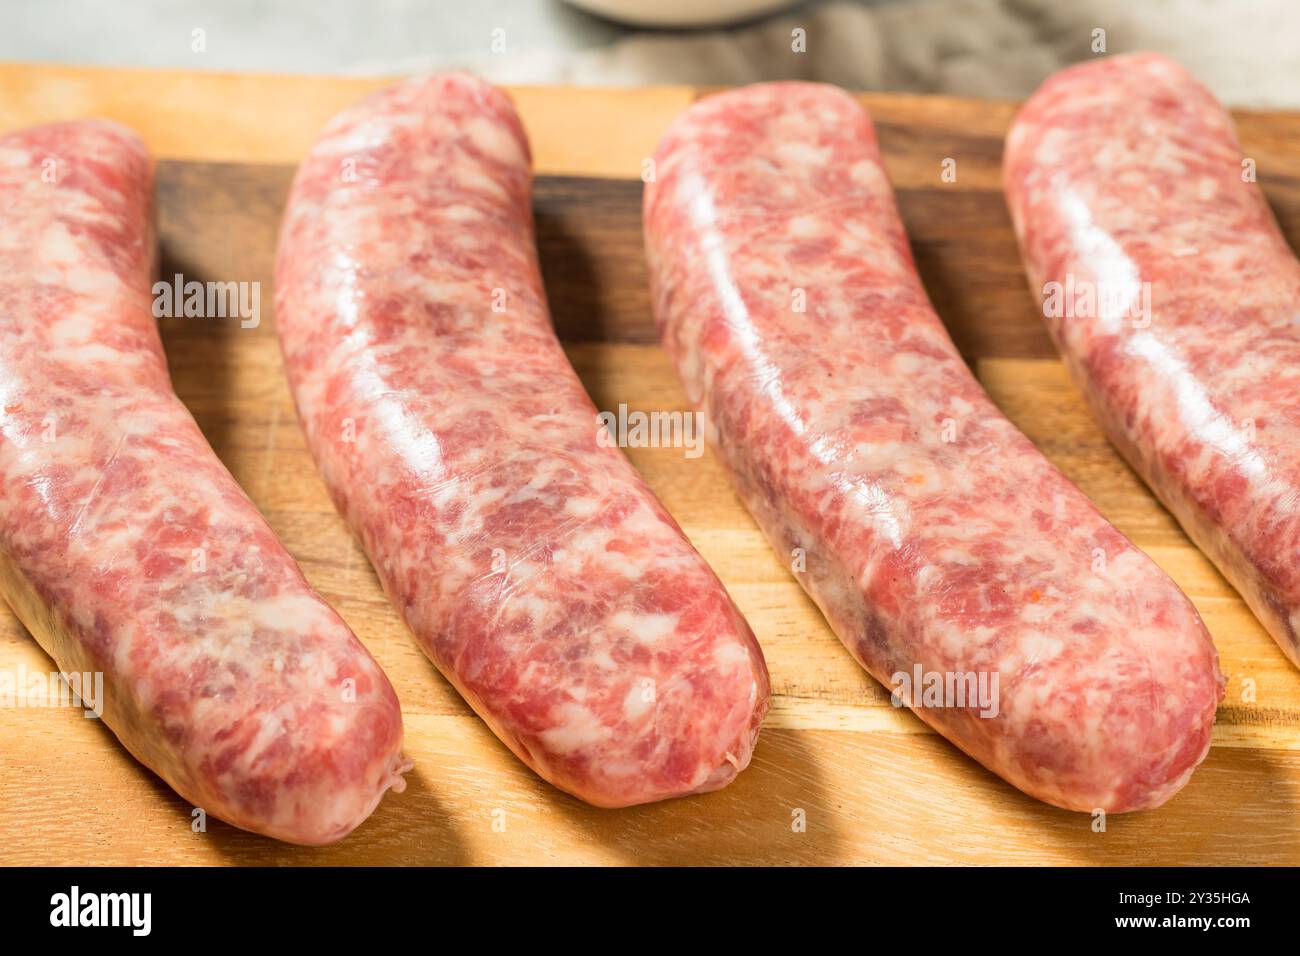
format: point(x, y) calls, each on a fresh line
point(218, 221)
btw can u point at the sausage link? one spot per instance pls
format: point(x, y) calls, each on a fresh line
point(531, 563)
point(127, 549)
point(1127, 185)
point(943, 549)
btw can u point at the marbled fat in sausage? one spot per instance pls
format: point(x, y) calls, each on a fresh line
point(528, 558)
point(126, 548)
point(931, 532)
point(1126, 182)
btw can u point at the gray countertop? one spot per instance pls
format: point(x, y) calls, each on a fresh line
point(1245, 51)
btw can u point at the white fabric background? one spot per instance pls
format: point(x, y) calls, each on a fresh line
point(1248, 51)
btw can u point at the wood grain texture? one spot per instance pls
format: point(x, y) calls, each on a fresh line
point(871, 783)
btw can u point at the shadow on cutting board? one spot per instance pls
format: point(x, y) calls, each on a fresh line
point(776, 812)
point(593, 260)
point(411, 828)
point(1237, 790)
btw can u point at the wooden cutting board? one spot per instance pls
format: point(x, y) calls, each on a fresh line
point(870, 783)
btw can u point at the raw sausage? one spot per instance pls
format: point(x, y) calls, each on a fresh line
point(943, 549)
point(531, 563)
point(127, 549)
point(1127, 185)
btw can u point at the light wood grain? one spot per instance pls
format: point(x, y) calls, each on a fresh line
point(873, 784)
point(270, 118)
